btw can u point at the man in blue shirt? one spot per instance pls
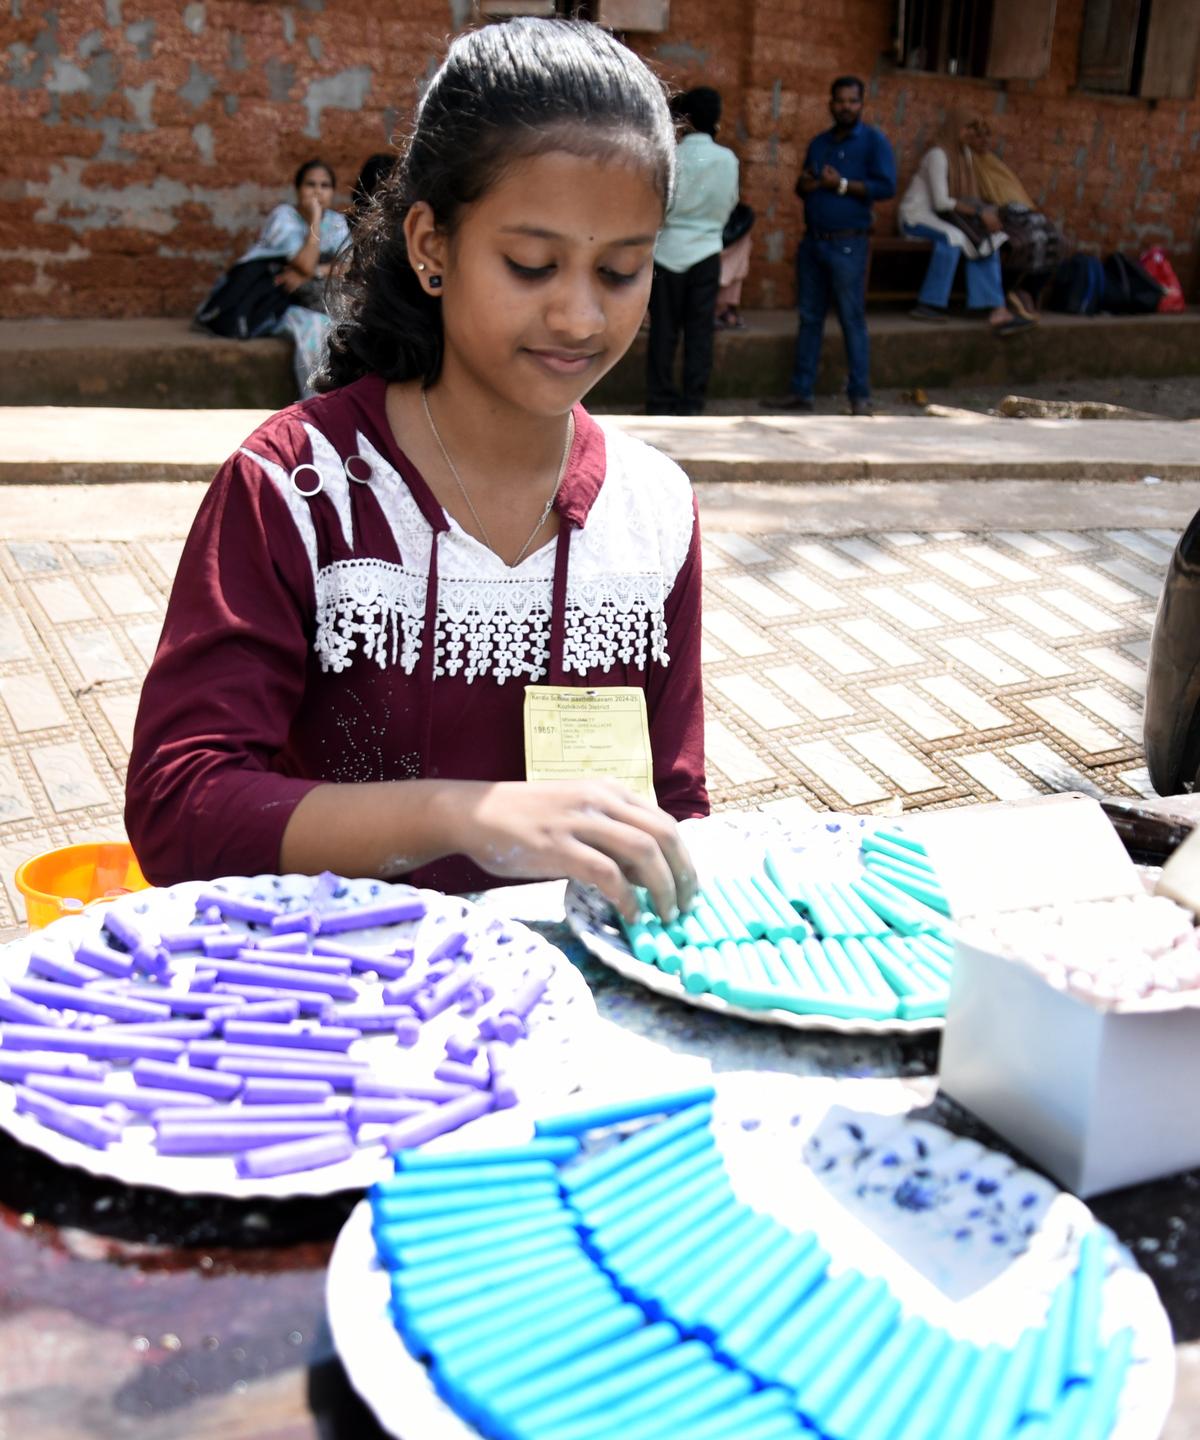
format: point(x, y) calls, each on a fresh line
point(845, 171)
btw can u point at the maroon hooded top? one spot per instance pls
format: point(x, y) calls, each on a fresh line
point(358, 634)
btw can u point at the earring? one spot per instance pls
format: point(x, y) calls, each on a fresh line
point(435, 282)
point(420, 264)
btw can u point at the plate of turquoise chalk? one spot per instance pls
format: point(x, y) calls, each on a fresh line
point(761, 1260)
point(840, 924)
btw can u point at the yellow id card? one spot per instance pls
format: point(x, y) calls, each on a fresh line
point(574, 733)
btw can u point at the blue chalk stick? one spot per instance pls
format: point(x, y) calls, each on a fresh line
point(1086, 1304)
point(975, 1398)
point(857, 1315)
point(891, 1404)
point(556, 1149)
point(1049, 1373)
point(617, 1113)
point(592, 1169)
point(841, 1417)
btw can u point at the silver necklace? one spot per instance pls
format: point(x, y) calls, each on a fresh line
point(453, 469)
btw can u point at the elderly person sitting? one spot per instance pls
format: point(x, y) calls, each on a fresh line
point(939, 205)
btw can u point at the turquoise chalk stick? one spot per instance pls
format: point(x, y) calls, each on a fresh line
point(759, 1284)
point(788, 918)
point(489, 1243)
point(425, 1296)
point(1106, 1389)
point(709, 921)
point(620, 1111)
point(783, 870)
point(607, 1225)
point(413, 1230)
point(912, 916)
point(788, 1293)
point(865, 920)
point(592, 1190)
point(442, 1179)
point(975, 1397)
point(891, 842)
point(822, 968)
point(939, 1397)
point(732, 923)
point(840, 1418)
point(713, 1396)
point(891, 1405)
point(695, 969)
point(763, 1260)
point(925, 894)
point(1008, 1398)
point(504, 1313)
point(822, 1303)
point(591, 1170)
point(556, 1151)
point(819, 1349)
point(747, 1417)
point(1086, 1304)
point(642, 1263)
point(827, 918)
point(641, 939)
point(897, 835)
point(511, 1344)
point(389, 1209)
point(694, 1282)
point(1049, 1373)
point(843, 1351)
point(849, 978)
point(751, 915)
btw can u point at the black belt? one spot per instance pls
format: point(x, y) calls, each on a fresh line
point(836, 234)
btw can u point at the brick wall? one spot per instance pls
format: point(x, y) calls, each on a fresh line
point(142, 141)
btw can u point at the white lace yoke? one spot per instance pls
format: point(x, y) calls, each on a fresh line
point(493, 621)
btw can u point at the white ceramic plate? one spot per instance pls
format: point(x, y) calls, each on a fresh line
point(829, 845)
point(886, 1194)
point(544, 1067)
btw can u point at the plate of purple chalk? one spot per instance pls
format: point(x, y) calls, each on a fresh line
point(279, 1035)
point(808, 1227)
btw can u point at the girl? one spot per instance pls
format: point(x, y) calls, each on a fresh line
point(377, 573)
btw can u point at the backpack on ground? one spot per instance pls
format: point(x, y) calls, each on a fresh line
point(1078, 286)
point(1128, 289)
point(245, 301)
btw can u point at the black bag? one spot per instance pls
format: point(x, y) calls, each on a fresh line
point(246, 301)
point(1035, 244)
point(1128, 289)
point(740, 222)
point(1078, 286)
point(973, 227)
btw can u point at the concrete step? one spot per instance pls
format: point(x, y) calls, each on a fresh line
point(163, 364)
point(92, 445)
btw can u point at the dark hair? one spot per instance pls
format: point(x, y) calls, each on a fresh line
point(375, 170)
point(848, 82)
point(504, 93)
point(314, 164)
point(701, 107)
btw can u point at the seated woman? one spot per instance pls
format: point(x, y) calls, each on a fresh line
point(937, 196)
point(1035, 243)
point(301, 241)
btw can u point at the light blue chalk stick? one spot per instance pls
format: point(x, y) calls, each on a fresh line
point(488, 1244)
point(864, 920)
point(788, 1293)
point(619, 1111)
point(641, 1265)
point(1111, 1369)
point(556, 1151)
point(720, 1389)
point(635, 1386)
point(873, 977)
point(842, 1352)
point(913, 916)
point(428, 1304)
point(768, 1358)
point(1008, 1398)
point(732, 923)
point(694, 1284)
point(662, 1199)
point(511, 1343)
point(915, 868)
point(975, 1397)
point(939, 1397)
point(1049, 1374)
point(783, 870)
point(695, 969)
point(1086, 1304)
point(763, 1262)
point(892, 1405)
point(392, 1209)
point(463, 1223)
point(641, 938)
point(520, 1314)
point(407, 1184)
point(788, 920)
point(850, 920)
point(686, 1141)
point(426, 1328)
point(906, 848)
point(840, 1417)
point(750, 914)
point(928, 894)
point(819, 1349)
point(1068, 1421)
point(764, 1407)
point(433, 1284)
point(821, 966)
point(591, 1170)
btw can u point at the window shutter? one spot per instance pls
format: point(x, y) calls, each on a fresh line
point(1172, 50)
point(652, 16)
point(1022, 32)
point(502, 9)
point(1106, 51)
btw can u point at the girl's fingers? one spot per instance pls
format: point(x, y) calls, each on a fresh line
point(665, 832)
point(590, 867)
point(637, 854)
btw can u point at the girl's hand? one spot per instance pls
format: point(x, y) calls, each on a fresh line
point(310, 209)
point(595, 831)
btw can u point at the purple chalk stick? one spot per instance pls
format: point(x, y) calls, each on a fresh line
point(125, 931)
point(192, 937)
point(435, 1090)
point(154, 1074)
point(501, 1025)
point(370, 1111)
point(183, 1002)
point(27, 1062)
point(400, 992)
point(295, 922)
point(274, 1012)
point(243, 972)
point(89, 1001)
point(95, 1130)
point(309, 1002)
point(462, 1047)
point(103, 958)
point(443, 994)
point(223, 945)
point(263, 1090)
point(327, 1037)
point(408, 1031)
point(153, 960)
point(390, 912)
point(531, 990)
point(281, 1067)
point(25, 1012)
point(177, 1138)
point(107, 1044)
point(450, 945)
point(66, 972)
point(389, 967)
point(503, 1093)
point(94, 1092)
point(206, 1053)
point(324, 964)
point(299, 1155)
point(292, 942)
point(176, 1029)
point(254, 912)
point(454, 1072)
point(366, 1020)
point(439, 1121)
point(330, 1109)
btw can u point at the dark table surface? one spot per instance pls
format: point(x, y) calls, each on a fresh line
point(137, 1313)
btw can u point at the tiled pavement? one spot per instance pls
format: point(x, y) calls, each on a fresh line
point(893, 670)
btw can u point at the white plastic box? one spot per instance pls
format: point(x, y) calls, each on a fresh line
point(1100, 1098)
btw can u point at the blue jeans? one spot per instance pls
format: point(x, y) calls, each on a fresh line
point(984, 288)
point(832, 270)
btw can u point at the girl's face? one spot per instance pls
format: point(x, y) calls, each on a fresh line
point(316, 185)
point(545, 278)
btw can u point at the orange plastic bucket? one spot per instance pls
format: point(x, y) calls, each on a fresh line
point(59, 881)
